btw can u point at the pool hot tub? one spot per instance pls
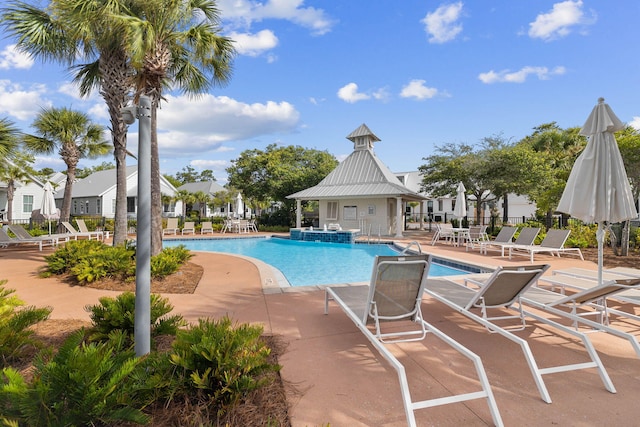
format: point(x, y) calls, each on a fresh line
point(328, 236)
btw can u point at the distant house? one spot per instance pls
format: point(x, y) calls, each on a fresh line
point(441, 208)
point(361, 192)
point(96, 194)
point(27, 197)
point(210, 188)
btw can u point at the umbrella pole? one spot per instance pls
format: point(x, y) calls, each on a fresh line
point(600, 238)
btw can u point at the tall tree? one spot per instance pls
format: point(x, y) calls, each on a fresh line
point(15, 168)
point(173, 43)
point(559, 149)
point(9, 138)
point(74, 136)
point(275, 173)
point(81, 35)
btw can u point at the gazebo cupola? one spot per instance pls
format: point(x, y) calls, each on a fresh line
point(362, 138)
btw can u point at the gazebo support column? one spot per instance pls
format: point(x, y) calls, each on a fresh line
point(298, 213)
point(398, 217)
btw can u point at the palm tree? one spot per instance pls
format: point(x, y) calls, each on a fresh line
point(68, 32)
point(9, 137)
point(9, 171)
point(16, 170)
point(202, 199)
point(75, 137)
point(186, 198)
point(177, 43)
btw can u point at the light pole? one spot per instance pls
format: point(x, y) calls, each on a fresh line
point(142, 316)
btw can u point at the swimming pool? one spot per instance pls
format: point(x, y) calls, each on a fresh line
point(307, 263)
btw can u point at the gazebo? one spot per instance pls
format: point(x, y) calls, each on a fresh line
point(361, 193)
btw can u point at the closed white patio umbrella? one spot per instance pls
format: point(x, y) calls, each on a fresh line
point(460, 210)
point(239, 206)
point(48, 208)
point(598, 189)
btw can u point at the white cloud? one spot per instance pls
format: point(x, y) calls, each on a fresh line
point(559, 21)
point(254, 44)
point(20, 103)
point(442, 25)
point(209, 164)
point(520, 76)
point(635, 123)
point(349, 93)
point(11, 58)
point(417, 89)
point(188, 126)
point(246, 12)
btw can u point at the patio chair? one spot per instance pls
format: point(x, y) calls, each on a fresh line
point(82, 227)
point(502, 292)
point(188, 227)
point(443, 231)
point(553, 244)
point(6, 240)
point(578, 306)
point(476, 235)
point(252, 226)
point(172, 226)
point(206, 227)
point(505, 236)
point(23, 236)
point(526, 238)
point(394, 294)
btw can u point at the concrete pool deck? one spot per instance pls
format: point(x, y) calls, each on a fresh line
point(335, 377)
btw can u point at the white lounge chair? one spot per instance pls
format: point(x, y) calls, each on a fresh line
point(504, 237)
point(23, 236)
point(552, 244)
point(503, 290)
point(578, 306)
point(172, 226)
point(526, 237)
point(82, 227)
point(394, 294)
point(206, 227)
point(73, 233)
point(189, 227)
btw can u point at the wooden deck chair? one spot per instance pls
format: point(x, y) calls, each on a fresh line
point(394, 294)
point(82, 227)
point(172, 226)
point(503, 290)
point(504, 237)
point(207, 227)
point(553, 244)
point(579, 306)
point(189, 227)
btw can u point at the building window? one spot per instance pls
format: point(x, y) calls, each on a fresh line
point(440, 207)
point(86, 205)
point(113, 206)
point(332, 210)
point(131, 204)
point(75, 207)
point(27, 203)
point(98, 206)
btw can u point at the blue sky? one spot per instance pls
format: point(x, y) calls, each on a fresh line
point(420, 74)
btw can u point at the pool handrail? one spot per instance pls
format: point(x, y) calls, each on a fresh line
point(414, 242)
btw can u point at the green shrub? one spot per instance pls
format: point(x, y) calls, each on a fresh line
point(223, 361)
point(15, 324)
point(119, 314)
point(109, 261)
point(68, 255)
point(582, 236)
point(83, 384)
point(169, 261)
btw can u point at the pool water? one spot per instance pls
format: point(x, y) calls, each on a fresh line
point(307, 263)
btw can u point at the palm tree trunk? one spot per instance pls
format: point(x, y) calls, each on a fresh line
point(11, 189)
point(156, 195)
point(65, 211)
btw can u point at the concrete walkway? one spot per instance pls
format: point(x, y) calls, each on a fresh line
point(335, 377)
